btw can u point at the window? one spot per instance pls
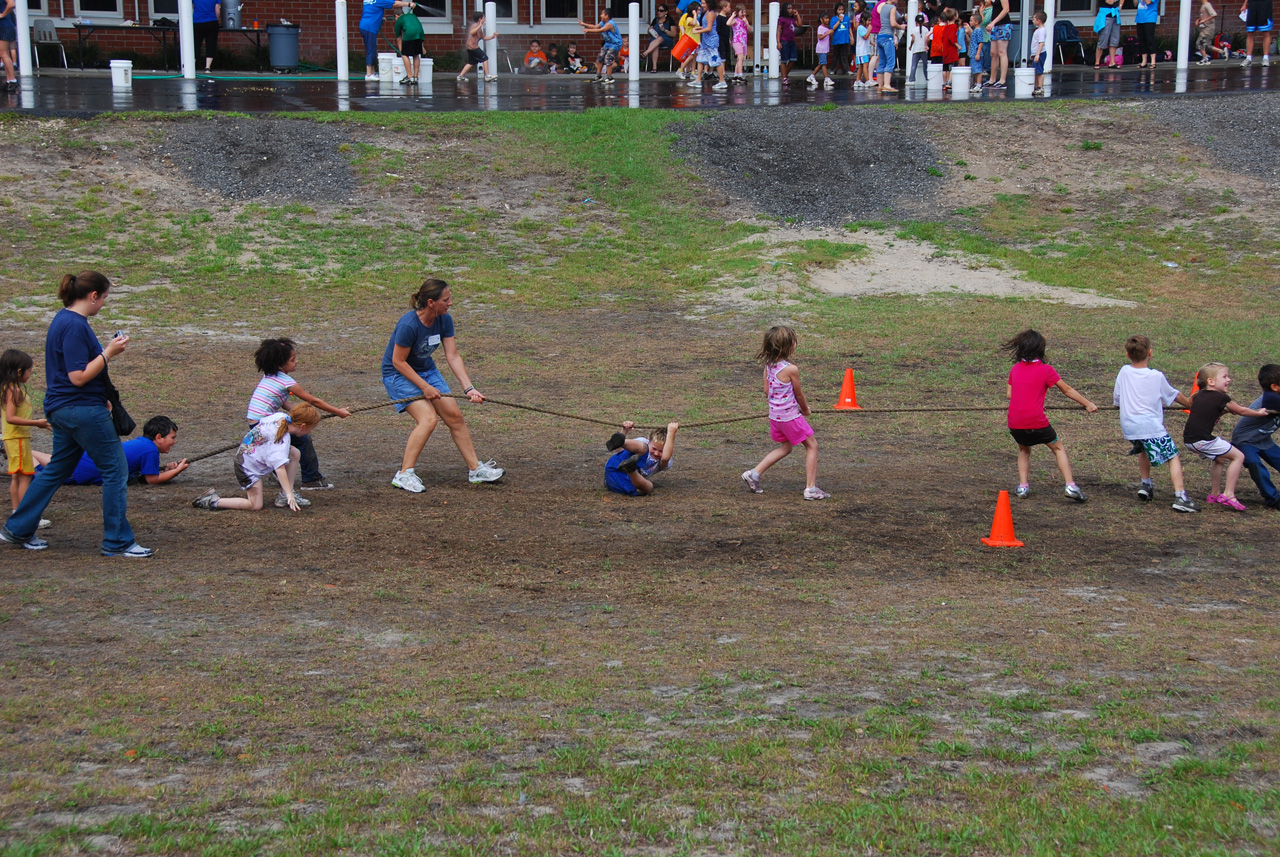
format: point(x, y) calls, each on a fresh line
point(164, 9)
point(108, 8)
point(1069, 6)
point(566, 10)
point(36, 7)
point(432, 9)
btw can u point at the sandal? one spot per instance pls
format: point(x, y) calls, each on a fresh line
point(1097, 66)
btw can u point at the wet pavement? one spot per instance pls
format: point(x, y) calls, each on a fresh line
point(89, 93)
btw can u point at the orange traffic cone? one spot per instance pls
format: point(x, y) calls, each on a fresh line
point(848, 394)
point(1002, 526)
point(1195, 388)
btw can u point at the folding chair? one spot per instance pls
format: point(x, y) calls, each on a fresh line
point(44, 33)
point(1065, 33)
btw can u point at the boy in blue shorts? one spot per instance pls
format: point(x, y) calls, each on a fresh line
point(142, 455)
point(1252, 436)
point(636, 459)
point(1142, 393)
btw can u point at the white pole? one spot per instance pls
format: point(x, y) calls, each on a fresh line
point(340, 35)
point(1051, 15)
point(633, 42)
point(913, 9)
point(775, 12)
point(757, 23)
point(1024, 22)
point(187, 39)
point(1184, 35)
point(22, 17)
point(491, 27)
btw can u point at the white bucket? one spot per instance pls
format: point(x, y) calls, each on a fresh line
point(1024, 82)
point(428, 68)
point(397, 68)
point(122, 74)
point(385, 71)
point(935, 78)
point(961, 80)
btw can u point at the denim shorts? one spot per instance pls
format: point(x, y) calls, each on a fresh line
point(400, 387)
point(885, 48)
point(787, 52)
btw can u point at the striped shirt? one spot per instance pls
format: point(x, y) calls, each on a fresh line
point(783, 406)
point(270, 396)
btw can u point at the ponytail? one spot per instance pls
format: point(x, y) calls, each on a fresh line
point(303, 415)
point(77, 287)
point(430, 290)
point(1204, 373)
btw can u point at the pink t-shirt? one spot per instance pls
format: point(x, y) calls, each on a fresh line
point(1030, 381)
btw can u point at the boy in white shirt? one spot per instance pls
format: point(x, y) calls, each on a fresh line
point(1142, 394)
point(1038, 54)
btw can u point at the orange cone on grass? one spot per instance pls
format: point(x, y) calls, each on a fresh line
point(848, 394)
point(1195, 388)
point(1002, 526)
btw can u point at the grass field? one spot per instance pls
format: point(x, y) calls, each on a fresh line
point(540, 667)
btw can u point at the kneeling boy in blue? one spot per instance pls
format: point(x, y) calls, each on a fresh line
point(1142, 394)
point(1252, 436)
point(142, 455)
point(635, 460)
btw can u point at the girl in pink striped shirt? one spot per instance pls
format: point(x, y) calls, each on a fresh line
point(787, 412)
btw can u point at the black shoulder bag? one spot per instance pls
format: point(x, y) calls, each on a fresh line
point(119, 416)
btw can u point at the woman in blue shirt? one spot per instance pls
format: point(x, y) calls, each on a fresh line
point(371, 16)
point(75, 404)
point(205, 15)
point(1148, 14)
point(408, 370)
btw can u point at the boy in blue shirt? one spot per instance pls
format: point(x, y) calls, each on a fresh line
point(609, 49)
point(142, 455)
point(635, 460)
point(1252, 436)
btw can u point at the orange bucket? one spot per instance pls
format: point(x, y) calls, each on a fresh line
point(683, 48)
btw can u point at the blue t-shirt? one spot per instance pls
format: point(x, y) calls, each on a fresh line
point(203, 11)
point(372, 13)
point(612, 38)
point(140, 453)
point(839, 29)
point(68, 347)
point(420, 339)
point(1257, 431)
point(1147, 13)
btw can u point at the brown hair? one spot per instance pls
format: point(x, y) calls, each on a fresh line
point(430, 290)
point(77, 287)
point(1204, 373)
point(779, 344)
point(1138, 347)
point(949, 14)
point(301, 415)
point(13, 365)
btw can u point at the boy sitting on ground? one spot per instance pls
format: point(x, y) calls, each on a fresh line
point(535, 61)
point(635, 460)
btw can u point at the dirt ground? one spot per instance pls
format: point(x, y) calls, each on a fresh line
point(797, 613)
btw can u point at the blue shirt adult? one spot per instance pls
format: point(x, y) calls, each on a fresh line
point(69, 347)
point(839, 29)
point(204, 11)
point(1148, 13)
point(140, 454)
point(371, 15)
point(421, 339)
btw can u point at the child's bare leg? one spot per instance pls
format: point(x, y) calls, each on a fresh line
point(643, 485)
point(1024, 465)
point(18, 483)
point(811, 462)
point(251, 502)
point(1215, 476)
point(779, 452)
point(1175, 475)
point(466, 68)
point(1235, 463)
point(635, 446)
point(1060, 453)
point(1144, 466)
point(425, 415)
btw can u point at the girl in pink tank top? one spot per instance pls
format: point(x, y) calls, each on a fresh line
point(787, 412)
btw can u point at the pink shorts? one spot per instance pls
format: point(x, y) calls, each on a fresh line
point(792, 431)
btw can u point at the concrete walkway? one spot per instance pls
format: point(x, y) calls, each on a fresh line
point(88, 93)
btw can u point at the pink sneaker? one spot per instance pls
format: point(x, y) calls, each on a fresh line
point(1231, 502)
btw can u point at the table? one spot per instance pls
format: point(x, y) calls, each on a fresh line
point(160, 34)
point(253, 35)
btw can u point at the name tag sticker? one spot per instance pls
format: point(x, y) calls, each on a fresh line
point(433, 340)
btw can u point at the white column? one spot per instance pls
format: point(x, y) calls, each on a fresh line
point(913, 9)
point(1184, 33)
point(22, 18)
point(491, 27)
point(758, 25)
point(186, 39)
point(633, 42)
point(1051, 11)
point(775, 12)
point(1024, 23)
point(340, 35)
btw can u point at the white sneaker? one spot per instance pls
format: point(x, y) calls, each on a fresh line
point(1246, 62)
point(488, 471)
point(409, 481)
point(44, 524)
point(694, 83)
point(815, 493)
point(491, 77)
point(372, 77)
point(282, 502)
point(721, 85)
point(828, 84)
point(1266, 61)
point(811, 80)
point(462, 78)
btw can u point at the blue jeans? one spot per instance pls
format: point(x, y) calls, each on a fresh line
point(1253, 461)
point(886, 49)
point(308, 461)
point(80, 429)
point(370, 48)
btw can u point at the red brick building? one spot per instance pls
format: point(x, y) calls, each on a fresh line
point(445, 26)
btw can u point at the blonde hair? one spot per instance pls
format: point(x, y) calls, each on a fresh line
point(658, 436)
point(1207, 371)
point(301, 415)
point(779, 344)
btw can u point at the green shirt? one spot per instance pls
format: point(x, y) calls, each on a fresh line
point(986, 24)
point(409, 28)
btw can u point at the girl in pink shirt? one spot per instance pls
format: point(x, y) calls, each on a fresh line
point(1029, 380)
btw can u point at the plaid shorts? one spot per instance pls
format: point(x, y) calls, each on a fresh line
point(1159, 450)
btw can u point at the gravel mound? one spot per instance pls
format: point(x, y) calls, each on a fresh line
point(818, 166)
point(1241, 132)
point(277, 159)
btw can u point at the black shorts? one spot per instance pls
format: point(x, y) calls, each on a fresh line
point(475, 56)
point(411, 48)
point(1034, 437)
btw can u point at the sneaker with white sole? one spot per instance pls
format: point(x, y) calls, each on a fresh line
point(282, 502)
point(488, 471)
point(133, 551)
point(491, 77)
point(815, 493)
point(1146, 492)
point(1246, 62)
point(720, 85)
point(1022, 492)
point(409, 481)
point(811, 80)
point(320, 484)
point(207, 501)
point(1074, 492)
point(753, 481)
point(32, 544)
point(1187, 505)
point(44, 524)
point(828, 84)
point(462, 78)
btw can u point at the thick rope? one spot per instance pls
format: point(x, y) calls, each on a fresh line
point(702, 424)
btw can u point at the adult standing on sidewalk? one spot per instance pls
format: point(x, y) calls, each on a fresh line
point(1001, 30)
point(75, 404)
point(1107, 26)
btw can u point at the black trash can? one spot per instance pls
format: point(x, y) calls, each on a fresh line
point(282, 40)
